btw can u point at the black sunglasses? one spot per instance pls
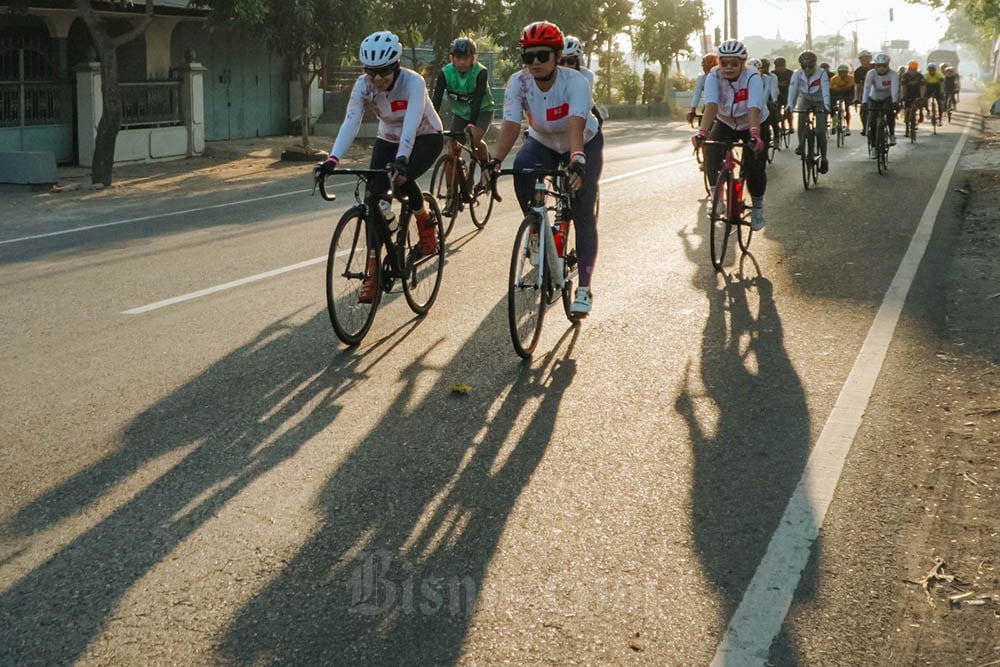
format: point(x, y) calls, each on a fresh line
point(569, 60)
point(379, 71)
point(529, 57)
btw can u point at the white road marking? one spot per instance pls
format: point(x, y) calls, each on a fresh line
point(225, 286)
point(285, 269)
point(758, 619)
point(154, 216)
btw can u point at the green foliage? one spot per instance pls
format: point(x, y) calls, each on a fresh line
point(663, 32)
point(680, 83)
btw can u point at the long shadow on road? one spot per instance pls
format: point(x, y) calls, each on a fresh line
point(230, 425)
point(411, 518)
point(748, 420)
point(411, 525)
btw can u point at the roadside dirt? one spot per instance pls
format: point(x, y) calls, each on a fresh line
point(950, 602)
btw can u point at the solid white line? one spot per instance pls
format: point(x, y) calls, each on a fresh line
point(220, 288)
point(620, 177)
point(310, 262)
point(154, 216)
point(758, 619)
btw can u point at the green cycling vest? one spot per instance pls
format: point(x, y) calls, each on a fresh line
point(460, 88)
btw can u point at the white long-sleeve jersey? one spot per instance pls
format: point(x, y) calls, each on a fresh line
point(815, 88)
point(548, 112)
point(404, 111)
point(880, 87)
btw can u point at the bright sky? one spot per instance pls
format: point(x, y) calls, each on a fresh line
point(920, 24)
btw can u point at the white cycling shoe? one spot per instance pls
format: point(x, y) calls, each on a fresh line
point(582, 302)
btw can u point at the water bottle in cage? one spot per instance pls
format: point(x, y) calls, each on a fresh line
point(385, 206)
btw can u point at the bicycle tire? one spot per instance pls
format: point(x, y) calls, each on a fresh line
point(525, 300)
point(881, 147)
point(347, 266)
point(481, 206)
point(786, 134)
point(719, 227)
point(569, 266)
point(422, 273)
point(450, 196)
point(806, 159)
point(744, 232)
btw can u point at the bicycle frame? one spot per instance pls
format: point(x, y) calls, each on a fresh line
point(547, 253)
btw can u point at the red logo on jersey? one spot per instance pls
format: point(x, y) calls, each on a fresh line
point(741, 95)
point(398, 105)
point(555, 113)
point(813, 84)
point(887, 82)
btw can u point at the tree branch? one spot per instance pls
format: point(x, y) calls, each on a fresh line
point(138, 29)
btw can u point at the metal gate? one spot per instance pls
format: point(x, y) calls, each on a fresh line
point(36, 108)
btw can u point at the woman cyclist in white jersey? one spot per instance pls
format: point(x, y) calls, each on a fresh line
point(880, 94)
point(409, 130)
point(557, 104)
point(735, 109)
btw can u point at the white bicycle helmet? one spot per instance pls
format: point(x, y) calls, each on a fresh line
point(882, 59)
point(380, 49)
point(572, 47)
point(755, 63)
point(733, 48)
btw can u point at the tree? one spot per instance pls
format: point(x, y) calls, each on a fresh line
point(303, 30)
point(452, 18)
point(664, 29)
point(984, 15)
point(107, 50)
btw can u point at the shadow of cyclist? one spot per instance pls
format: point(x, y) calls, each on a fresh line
point(748, 421)
point(213, 437)
point(411, 524)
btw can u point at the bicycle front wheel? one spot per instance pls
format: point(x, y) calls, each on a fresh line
point(350, 262)
point(525, 294)
point(481, 206)
point(423, 263)
point(882, 148)
point(449, 195)
point(806, 161)
point(744, 232)
point(570, 269)
point(718, 220)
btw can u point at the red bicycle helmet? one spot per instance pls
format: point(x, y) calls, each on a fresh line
point(542, 33)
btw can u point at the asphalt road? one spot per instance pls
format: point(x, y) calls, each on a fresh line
point(218, 480)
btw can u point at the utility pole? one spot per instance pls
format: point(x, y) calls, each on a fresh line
point(809, 24)
point(734, 32)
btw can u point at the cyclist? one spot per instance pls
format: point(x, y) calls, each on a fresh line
point(784, 80)
point(557, 103)
point(773, 98)
point(932, 87)
point(571, 55)
point(810, 91)
point(708, 61)
point(466, 82)
point(911, 83)
point(826, 68)
point(860, 72)
point(842, 89)
point(952, 83)
point(409, 131)
point(735, 109)
point(881, 94)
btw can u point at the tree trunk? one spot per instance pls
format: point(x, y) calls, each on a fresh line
point(111, 120)
point(305, 80)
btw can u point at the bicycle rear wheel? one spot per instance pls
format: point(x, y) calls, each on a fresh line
point(882, 147)
point(718, 219)
point(525, 297)
point(422, 271)
point(347, 266)
point(806, 161)
point(481, 206)
point(449, 196)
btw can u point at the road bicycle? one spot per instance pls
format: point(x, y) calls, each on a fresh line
point(695, 123)
point(368, 246)
point(910, 115)
point(810, 154)
point(838, 126)
point(457, 182)
point(785, 129)
point(730, 207)
point(543, 263)
point(934, 111)
point(878, 136)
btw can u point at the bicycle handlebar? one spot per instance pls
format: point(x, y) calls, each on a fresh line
point(319, 178)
